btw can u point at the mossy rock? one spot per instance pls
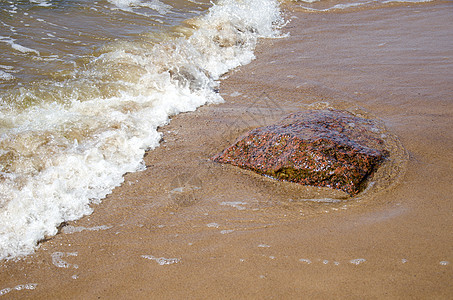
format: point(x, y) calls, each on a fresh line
point(326, 148)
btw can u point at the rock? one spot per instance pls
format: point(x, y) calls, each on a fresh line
point(326, 148)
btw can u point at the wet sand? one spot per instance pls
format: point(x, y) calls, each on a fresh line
point(190, 228)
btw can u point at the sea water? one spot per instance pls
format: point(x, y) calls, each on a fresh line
point(84, 85)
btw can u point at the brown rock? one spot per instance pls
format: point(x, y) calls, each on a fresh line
point(328, 148)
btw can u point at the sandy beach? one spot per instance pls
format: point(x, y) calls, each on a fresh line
point(189, 228)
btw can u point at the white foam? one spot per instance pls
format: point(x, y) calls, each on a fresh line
point(197, 2)
point(236, 204)
point(305, 260)
point(27, 286)
point(338, 6)
point(5, 291)
point(349, 5)
point(322, 200)
point(128, 5)
point(73, 229)
point(407, 1)
point(41, 2)
point(343, 6)
point(57, 259)
point(162, 260)
point(6, 76)
point(357, 261)
point(6, 67)
point(73, 152)
point(18, 47)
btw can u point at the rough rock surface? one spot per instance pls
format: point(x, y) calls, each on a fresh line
point(328, 148)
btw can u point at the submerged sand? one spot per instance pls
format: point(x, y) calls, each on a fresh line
point(190, 228)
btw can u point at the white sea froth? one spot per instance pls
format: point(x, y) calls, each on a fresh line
point(57, 259)
point(162, 260)
point(60, 172)
point(236, 204)
point(6, 76)
point(357, 261)
point(41, 2)
point(27, 286)
point(17, 46)
point(305, 260)
point(343, 6)
point(128, 5)
point(74, 229)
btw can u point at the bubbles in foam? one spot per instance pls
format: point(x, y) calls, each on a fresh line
point(27, 286)
point(357, 261)
point(305, 260)
point(213, 225)
point(128, 5)
point(41, 2)
point(57, 259)
point(5, 291)
point(348, 5)
point(235, 94)
point(162, 260)
point(73, 229)
point(6, 76)
point(236, 204)
point(407, 1)
point(18, 47)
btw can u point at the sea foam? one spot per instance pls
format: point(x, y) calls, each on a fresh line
point(353, 4)
point(72, 148)
point(128, 5)
point(5, 75)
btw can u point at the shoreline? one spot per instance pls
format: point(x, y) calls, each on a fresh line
point(190, 228)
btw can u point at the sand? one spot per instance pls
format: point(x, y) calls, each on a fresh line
point(190, 228)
